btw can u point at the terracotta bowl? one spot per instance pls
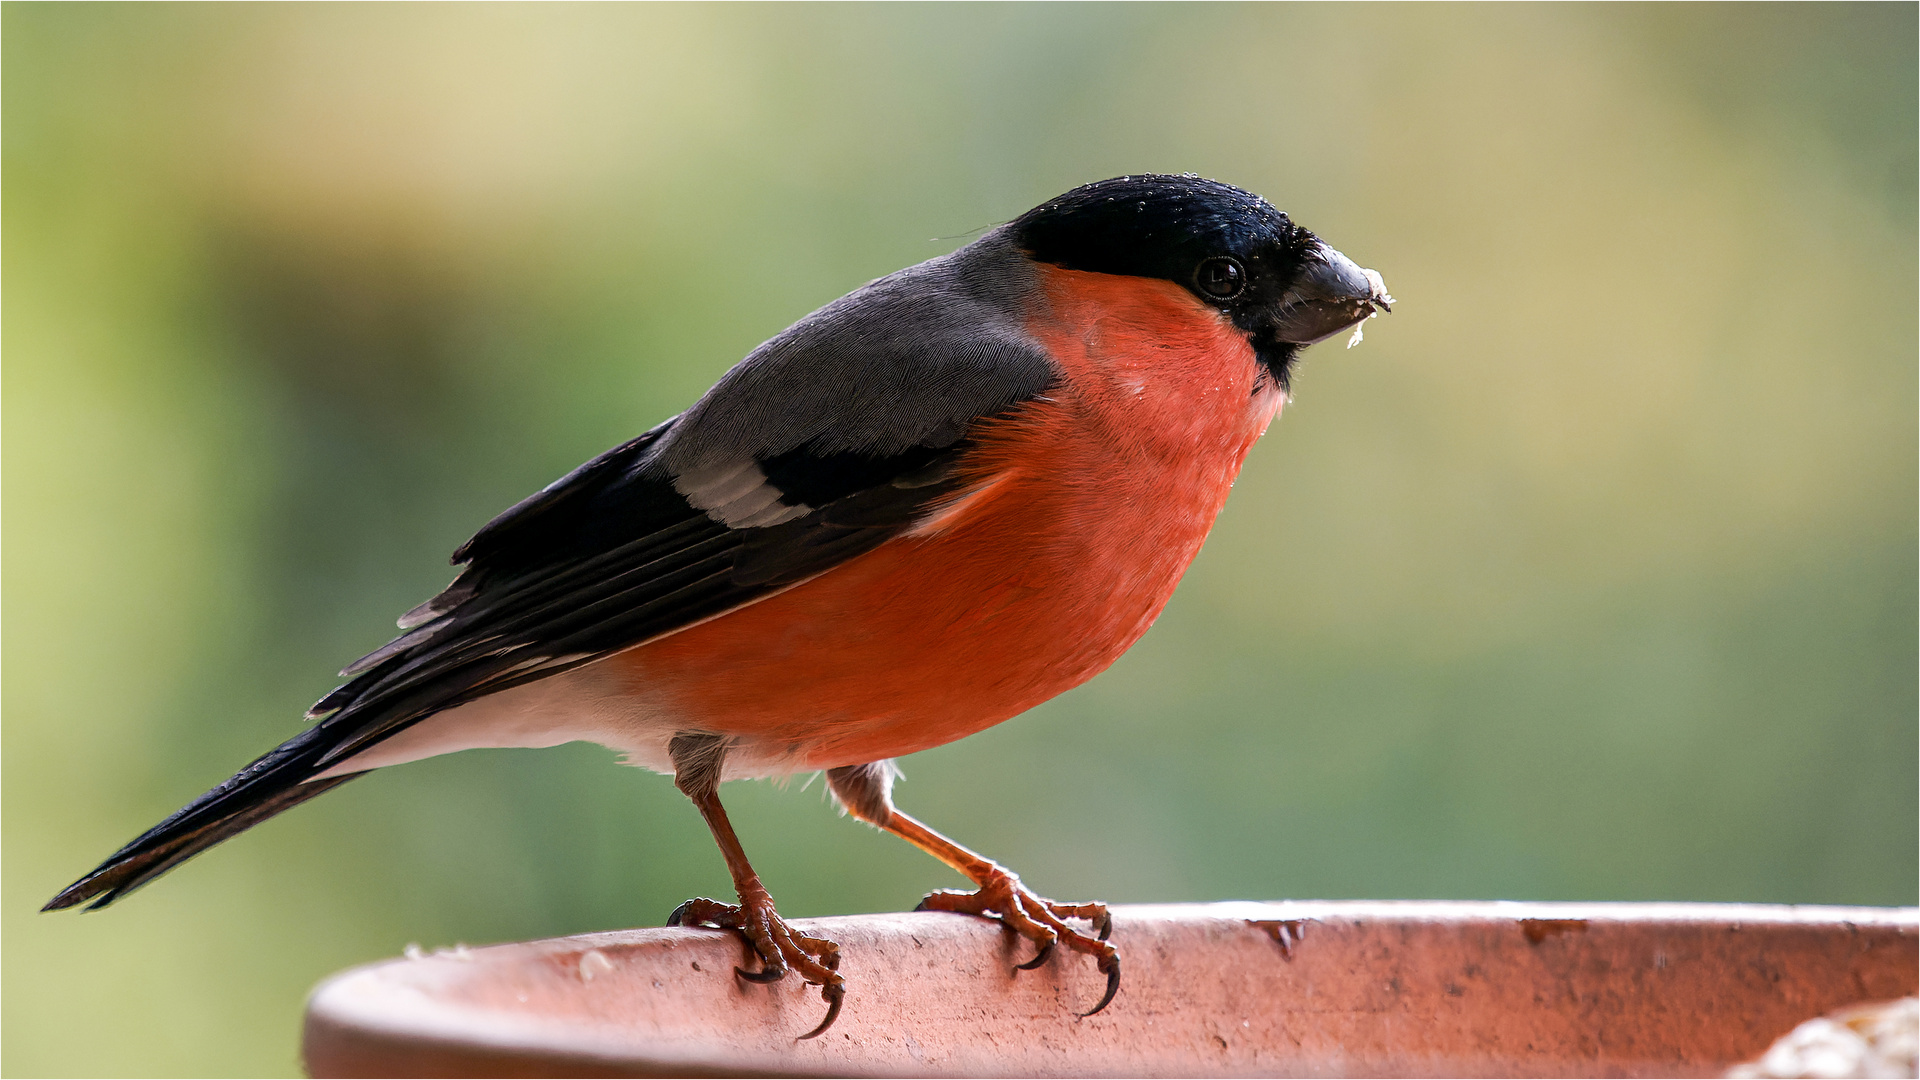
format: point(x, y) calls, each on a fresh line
point(1285, 989)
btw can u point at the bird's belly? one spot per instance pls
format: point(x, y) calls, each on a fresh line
point(582, 705)
point(1035, 587)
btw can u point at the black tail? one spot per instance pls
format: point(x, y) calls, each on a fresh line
point(276, 782)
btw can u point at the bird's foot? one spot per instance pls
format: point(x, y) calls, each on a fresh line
point(1039, 920)
point(780, 946)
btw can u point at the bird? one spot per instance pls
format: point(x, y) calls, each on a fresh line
point(938, 501)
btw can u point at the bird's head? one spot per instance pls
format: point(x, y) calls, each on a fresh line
point(1230, 248)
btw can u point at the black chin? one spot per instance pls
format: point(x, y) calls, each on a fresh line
point(1278, 357)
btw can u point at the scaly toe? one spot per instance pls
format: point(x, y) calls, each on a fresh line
point(702, 911)
point(1004, 898)
point(780, 948)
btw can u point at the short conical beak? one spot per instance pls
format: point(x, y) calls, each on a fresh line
point(1334, 294)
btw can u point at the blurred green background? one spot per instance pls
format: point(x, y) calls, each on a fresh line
point(1591, 575)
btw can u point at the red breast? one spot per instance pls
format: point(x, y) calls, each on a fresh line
point(1088, 505)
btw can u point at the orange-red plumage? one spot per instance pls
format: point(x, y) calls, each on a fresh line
point(1085, 509)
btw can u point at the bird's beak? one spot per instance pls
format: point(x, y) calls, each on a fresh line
point(1334, 294)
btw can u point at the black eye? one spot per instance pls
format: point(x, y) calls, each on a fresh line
point(1220, 278)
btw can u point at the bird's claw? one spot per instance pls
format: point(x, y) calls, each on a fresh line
point(1039, 957)
point(1110, 965)
point(1039, 920)
point(779, 946)
point(834, 993)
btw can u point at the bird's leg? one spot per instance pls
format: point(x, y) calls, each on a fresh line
point(867, 793)
point(697, 758)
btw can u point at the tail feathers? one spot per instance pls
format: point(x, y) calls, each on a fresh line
point(278, 781)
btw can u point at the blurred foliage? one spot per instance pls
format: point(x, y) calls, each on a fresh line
point(1591, 575)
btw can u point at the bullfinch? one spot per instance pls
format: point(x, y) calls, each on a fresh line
point(925, 508)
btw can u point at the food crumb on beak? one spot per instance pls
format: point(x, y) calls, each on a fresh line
point(1360, 330)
